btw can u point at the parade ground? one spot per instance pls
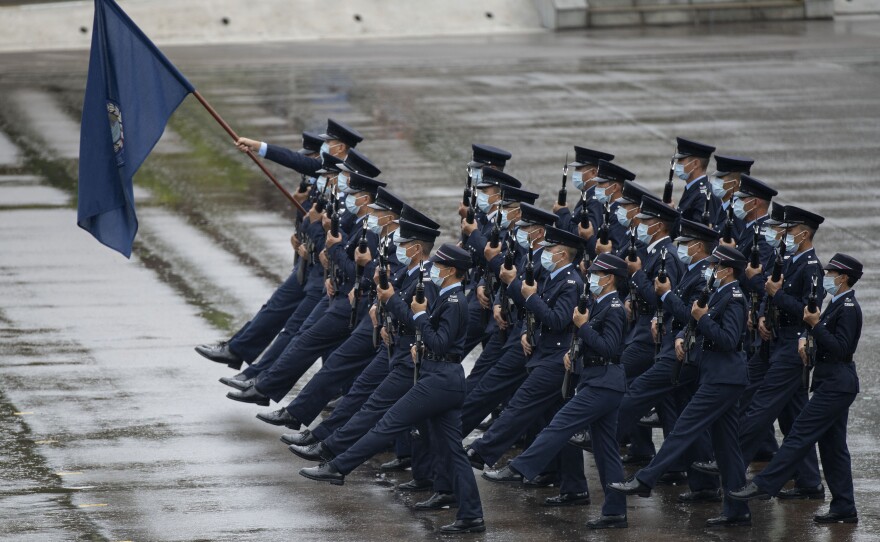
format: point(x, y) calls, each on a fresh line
point(114, 429)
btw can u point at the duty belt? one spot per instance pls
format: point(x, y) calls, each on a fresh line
point(447, 358)
point(827, 359)
point(593, 361)
point(709, 346)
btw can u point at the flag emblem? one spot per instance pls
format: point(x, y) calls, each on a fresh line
point(114, 115)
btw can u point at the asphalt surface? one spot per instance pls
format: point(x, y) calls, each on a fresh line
point(114, 429)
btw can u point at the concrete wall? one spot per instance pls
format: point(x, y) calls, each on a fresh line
point(68, 24)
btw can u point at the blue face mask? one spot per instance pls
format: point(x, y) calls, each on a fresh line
point(350, 204)
point(483, 202)
point(683, 255)
point(595, 289)
point(642, 233)
point(401, 256)
point(476, 175)
point(622, 219)
point(325, 148)
point(770, 237)
point(547, 261)
point(829, 284)
point(790, 245)
point(718, 187)
point(342, 181)
point(504, 220)
point(577, 180)
point(679, 171)
point(739, 209)
point(707, 276)
point(435, 276)
point(321, 183)
point(522, 238)
point(602, 194)
point(373, 224)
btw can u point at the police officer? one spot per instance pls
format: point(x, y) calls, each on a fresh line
point(836, 334)
point(655, 219)
point(545, 339)
point(583, 178)
point(719, 326)
point(725, 182)
point(436, 398)
point(332, 326)
point(610, 179)
point(697, 203)
point(600, 387)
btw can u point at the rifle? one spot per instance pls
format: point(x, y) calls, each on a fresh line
point(488, 275)
point(561, 197)
point(812, 306)
point(632, 256)
point(705, 218)
point(606, 224)
point(419, 343)
point(359, 275)
point(504, 299)
point(727, 231)
point(772, 318)
point(585, 217)
point(380, 306)
point(662, 277)
point(690, 331)
point(469, 198)
point(530, 280)
point(667, 189)
point(574, 351)
point(754, 263)
point(330, 270)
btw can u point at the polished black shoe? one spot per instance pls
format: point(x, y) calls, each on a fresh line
point(631, 487)
point(706, 467)
point(802, 493)
point(279, 417)
point(250, 395)
point(416, 485)
point(748, 492)
point(239, 381)
point(325, 472)
point(303, 438)
point(672, 478)
point(608, 522)
point(636, 460)
point(568, 499)
point(475, 459)
point(312, 452)
point(507, 474)
point(464, 526)
point(582, 441)
point(437, 501)
point(651, 420)
point(547, 479)
point(703, 495)
point(396, 464)
point(834, 517)
point(220, 353)
point(744, 520)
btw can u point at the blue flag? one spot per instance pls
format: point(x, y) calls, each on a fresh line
point(131, 91)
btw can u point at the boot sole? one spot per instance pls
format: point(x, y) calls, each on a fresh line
point(332, 481)
point(259, 402)
point(480, 529)
point(304, 456)
point(621, 525)
point(832, 522)
point(293, 443)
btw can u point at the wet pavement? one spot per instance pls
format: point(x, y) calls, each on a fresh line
point(114, 429)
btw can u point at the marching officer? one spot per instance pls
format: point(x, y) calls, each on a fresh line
point(725, 182)
point(836, 334)
point(583, 178)
point(697, 203)
point(437, 396)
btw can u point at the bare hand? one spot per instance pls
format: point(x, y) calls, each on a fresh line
point(328, 285)
point(731, 244)
point(580, 319)
point(661, 288)
point(481, 297)
point(412, 352)
point(489, 253)
point(417, 307)
point(811, 318)
point(302, 251)
point(462, 209)
point(772, 287)
point(322, 257)
point(632, 267)
point(604, 248)
point(698, 312)
point(557, 207)
point(363, 258)
point(386, 338)
point(313, 215)
point(527, 348)
point(294, 242)
point(244, 144)
point(529, 290)
point(765, 333)
point(384, 294)
point(679, 349)
point(468, 228)
point(586, 233)
point(752, 271)
point(499, 319)
point(351, 298)
point(331, 240)
point(802, 350)
point(507, 275)
point(374, 317)
point(654, 330)
point(566, 360)
point(627, 306)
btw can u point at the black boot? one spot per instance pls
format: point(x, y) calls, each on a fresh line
point(475, 525)
point(279, 417)
point(220, 353)
point(325, 472)
point(303, 438)
point(438, 501)
point(239, 381)
point(835, 517)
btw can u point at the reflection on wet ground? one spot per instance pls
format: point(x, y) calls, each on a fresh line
point(114, 429)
